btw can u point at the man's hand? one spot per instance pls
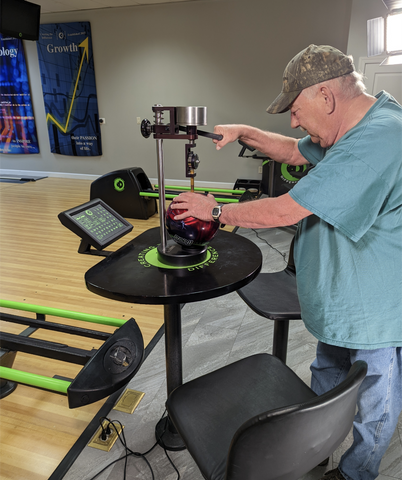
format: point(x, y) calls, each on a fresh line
point(196, 205)
point(230, 134)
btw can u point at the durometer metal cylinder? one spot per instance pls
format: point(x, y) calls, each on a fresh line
point(191, 116)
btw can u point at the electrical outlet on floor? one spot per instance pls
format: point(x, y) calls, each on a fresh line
point(106, 445)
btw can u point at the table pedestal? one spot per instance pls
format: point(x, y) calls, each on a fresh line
point(167, 437)
point(165, 433)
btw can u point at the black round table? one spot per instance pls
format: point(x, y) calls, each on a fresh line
point(134, 274)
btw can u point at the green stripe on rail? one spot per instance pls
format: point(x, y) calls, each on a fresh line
point(169, 197)
point(57, 312)
point(198, 189)
point(34, 380)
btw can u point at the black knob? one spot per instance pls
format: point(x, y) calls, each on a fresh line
point(146, 128)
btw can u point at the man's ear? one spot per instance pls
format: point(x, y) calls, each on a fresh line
point(328, 99)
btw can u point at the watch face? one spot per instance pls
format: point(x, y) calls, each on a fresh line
point(216, 212)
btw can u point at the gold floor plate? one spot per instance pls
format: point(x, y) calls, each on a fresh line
point(129, 401)
point(106, 445)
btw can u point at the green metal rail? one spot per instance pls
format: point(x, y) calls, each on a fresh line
point(34, 380)
point(57, 312)
point(170, 197)
point(198, 189)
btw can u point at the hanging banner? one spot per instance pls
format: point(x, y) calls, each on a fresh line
point(17, 122)
point(69, 90)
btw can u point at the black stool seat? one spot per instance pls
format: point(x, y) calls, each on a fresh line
point(257, 420)
point(273, 295)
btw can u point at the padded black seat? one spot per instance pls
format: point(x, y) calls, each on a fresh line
point(257, 420)
point(274, 296)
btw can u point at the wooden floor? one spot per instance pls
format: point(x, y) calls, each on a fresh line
point(39, 264)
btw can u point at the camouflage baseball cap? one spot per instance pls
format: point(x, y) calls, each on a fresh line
point(314, 64)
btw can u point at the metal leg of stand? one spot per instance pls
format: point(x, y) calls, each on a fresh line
point(7, 358)
point(166, 434)
point(280, 342)
point(6, 388)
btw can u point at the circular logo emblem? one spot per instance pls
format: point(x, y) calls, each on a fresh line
point(286, 171)
point(119, 184)
point(149, 257)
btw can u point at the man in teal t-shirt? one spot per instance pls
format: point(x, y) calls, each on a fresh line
point(355, 192)
point(348, 248)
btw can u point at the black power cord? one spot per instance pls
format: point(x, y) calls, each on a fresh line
point(269, 245)
point(128, 451)
point(106, 431)
point(160, 441)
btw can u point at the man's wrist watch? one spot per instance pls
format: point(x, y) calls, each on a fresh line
point(217, 212)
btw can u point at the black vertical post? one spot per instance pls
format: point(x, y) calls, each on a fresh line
point(280, 342)
point(165, 432)
point(173, 347)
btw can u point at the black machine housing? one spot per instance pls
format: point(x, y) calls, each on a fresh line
point(121, 190)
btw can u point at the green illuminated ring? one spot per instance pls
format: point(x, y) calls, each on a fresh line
point(119, 184)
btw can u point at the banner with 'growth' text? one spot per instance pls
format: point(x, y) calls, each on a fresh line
point(69, 89)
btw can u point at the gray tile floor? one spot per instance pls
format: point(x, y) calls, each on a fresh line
point(215, 332)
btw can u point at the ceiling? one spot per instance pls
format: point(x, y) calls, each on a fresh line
point(57, 6)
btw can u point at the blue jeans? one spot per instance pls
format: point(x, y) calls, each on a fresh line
point(379, 402)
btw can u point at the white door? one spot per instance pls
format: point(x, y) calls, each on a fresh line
point(381, 77)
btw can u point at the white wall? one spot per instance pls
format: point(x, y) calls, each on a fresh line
point(227, 55)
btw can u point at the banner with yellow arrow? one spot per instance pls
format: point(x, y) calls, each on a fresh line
point(69, 88)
